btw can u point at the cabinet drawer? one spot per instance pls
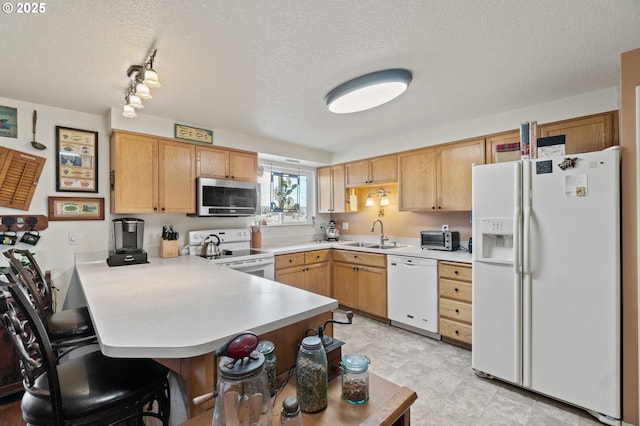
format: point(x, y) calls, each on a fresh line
point(455, 330)
point(457, 290)
point(287, 260)
point(455, 271)
point(360, 258)
point(316, 256)
point(459, 311)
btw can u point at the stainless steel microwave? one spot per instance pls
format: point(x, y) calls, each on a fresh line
point(220, 197)
point(440, 240)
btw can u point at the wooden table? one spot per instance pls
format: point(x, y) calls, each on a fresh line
point(388, 404)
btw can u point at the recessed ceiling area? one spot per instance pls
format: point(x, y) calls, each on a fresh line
point(265, 68)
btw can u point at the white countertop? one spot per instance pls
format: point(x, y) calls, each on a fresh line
point(185, 306)
point(454, 256)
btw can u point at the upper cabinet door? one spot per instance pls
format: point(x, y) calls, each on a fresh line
point(219, 163)
point(212, 162)
point(357, 173)
point(134, 173)
point(494, 141)
point(591, 133)
point(243, 166)
point(454, 174)
point(417, 180)
point(177, 177)
point(372, 171)
point(384, 169)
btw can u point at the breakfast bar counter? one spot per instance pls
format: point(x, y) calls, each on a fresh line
point(185, 306)
point(180, 310)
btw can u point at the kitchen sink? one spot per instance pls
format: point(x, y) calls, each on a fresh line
point(373, 245)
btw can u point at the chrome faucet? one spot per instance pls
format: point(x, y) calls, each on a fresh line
point(382, 237)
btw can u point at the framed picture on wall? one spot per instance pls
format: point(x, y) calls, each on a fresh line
point(8, 122)
point(76, 208)
point(77, 162)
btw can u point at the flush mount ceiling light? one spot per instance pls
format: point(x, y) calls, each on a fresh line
point(142, 78)
point(368, 91)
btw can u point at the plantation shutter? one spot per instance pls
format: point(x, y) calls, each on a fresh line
point(19, 174)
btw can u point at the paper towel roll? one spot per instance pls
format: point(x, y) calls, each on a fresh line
point(353, 202)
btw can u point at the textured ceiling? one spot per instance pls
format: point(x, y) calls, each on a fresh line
point(264, 67)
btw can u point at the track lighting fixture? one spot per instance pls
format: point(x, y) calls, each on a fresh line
point(142, 78)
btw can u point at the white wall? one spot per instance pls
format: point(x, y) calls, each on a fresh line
point(53, 251)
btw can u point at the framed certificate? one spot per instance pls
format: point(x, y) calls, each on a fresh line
point(77, 163)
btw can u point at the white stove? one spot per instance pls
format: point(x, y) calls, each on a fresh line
point(235, 251)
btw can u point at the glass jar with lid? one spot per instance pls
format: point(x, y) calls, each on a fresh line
point(355, 378)
point(311, 375)
point(243, 392)
point(267, 348)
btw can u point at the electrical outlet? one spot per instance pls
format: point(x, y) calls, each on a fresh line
point(345, 225)
point(445, 228)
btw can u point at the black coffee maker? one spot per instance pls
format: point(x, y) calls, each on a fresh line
point(128, 236)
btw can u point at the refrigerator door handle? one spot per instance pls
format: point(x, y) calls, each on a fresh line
point(526, 275)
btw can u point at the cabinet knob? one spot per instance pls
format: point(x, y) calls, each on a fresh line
point(155, 209)
point(456, 290)
point(457, 332)
point(318, 257)
point(433, 207)
point(455, 272)
point(439, 207)
point(290, 260)
point(457, 311)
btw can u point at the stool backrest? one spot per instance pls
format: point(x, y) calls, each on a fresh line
point(33, 279)
point(29, 336)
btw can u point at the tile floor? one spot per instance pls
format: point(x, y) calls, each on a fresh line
point(449, 393)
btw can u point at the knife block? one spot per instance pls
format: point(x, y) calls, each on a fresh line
point(169, 248)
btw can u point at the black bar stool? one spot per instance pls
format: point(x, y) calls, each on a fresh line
point(91, 389)
point(68, 329)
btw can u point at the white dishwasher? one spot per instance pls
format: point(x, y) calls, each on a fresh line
point(412, 294)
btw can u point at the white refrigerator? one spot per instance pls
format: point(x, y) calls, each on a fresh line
point(546, 277)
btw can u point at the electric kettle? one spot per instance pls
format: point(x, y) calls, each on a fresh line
point(210, 249)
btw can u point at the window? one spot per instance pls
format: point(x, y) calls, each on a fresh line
point(286, 195)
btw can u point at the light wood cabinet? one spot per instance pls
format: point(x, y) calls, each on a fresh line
point(455, 301)
point(306, 270)
point(591, 133)
point(439, 178)
point(493, 141)
point(331, 189)
point(220, 163)
point(372, 171)
point(360, 281)
point(454, 173)
point(151, 175)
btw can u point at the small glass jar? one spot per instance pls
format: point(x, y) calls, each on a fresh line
point(267, 348)
point(311, 375)
point(290, 415)
point(355, 378)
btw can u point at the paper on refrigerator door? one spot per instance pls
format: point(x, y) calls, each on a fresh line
point(575, 185)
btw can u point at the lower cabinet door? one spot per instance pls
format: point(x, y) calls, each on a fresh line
point(344, 284)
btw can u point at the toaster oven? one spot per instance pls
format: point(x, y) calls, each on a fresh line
point(440, 240)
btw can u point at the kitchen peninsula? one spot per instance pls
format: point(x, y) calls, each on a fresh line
point(179, 310)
